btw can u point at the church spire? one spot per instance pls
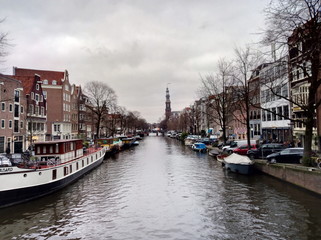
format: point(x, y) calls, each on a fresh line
point(167, 105)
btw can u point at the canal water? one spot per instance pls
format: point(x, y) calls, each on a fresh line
point(163, 190)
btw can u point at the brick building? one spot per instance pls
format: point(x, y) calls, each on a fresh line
point(57, 91)
point(12, 115)
point(36, 110)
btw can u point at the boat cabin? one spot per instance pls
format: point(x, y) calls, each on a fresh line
point(104, 142)
point(60, 151)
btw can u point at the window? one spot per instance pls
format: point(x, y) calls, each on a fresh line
point(10, 124)
point(285, 91)
point(3, 123)
point(2, 144)
point(57, 127)
point(3, 106)
point(16, 126)
point(16, 110)
point(264, 115)
point(286, 111)
point(21, 109)
point(268, 116)
point(37, 97)
point(273, 114)
point(21, 125)
point(10, 107)
point(37, 86)
point(44, 93)
point(54, 174)
point(32, 96)
point(16, 96)
point(280, 112)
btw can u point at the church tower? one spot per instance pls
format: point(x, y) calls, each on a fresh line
point(167, 105)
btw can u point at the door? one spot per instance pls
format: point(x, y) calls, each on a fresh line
point(17, 147)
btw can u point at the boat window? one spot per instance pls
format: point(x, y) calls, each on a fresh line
point(54, 174)
point(65, 171)
point(38, 149)
point(57, 148)
point(72, 146)
point(25, 175)
point(77, 166)
point(87, 161)
point(82, 163)
point(70, 167)
point(92, 158)
point(51, 149)
point(44, 149)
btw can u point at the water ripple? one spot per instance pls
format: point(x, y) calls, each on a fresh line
point(163, 190)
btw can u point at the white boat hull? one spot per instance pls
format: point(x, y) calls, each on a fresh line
point(19, 185)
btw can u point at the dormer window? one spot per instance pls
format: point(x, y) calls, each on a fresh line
point(45, 81)
point(54, 82)
point(37, 86)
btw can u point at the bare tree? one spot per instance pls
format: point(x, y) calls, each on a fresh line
point(217, 88)
point(295, 24)
point(4, 44)
point(101, 97)
point(244, 90)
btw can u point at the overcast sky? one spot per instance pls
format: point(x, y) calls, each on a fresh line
point(137, 47)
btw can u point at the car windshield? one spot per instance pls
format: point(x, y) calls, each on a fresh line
point(285, 151)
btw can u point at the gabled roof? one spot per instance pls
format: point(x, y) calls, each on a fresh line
point(44, 74)
point(8, 78)
point(27, 82)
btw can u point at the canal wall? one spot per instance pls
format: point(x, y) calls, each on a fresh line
point(304, 177)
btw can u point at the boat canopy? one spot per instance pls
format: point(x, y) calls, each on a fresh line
point(238, 159)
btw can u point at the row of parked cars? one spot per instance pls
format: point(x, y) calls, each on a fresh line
point(272, 152)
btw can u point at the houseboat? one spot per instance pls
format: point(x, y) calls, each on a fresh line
point(53, 165)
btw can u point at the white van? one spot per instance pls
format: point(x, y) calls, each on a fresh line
point(235, 144)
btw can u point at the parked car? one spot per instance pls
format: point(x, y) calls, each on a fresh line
point(288, 155)
point(242, 150)
point(264, 150)
point(235, 144)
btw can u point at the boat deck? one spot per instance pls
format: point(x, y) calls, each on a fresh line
point(47, 164)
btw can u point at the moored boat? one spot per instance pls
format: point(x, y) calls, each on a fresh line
point(54, 165)
point(238, 164)
point(213, 153)
point(199, 147)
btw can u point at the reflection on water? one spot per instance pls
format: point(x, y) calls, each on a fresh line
point(163, 190)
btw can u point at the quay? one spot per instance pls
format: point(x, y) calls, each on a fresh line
point(301, 176)
point(308, 178)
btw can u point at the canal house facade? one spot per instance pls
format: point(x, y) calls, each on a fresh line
point(57, 92)
point(12, 115)
point(276, 124)
point(36, 108)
